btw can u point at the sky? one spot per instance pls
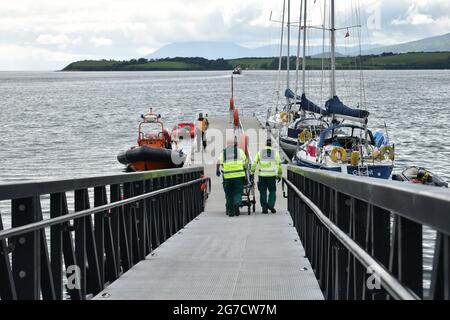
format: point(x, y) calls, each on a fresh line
point(49, 34)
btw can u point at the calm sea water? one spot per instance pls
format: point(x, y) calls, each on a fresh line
point(67, 125)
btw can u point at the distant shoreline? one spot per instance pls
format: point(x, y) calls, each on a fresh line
point(385, 61)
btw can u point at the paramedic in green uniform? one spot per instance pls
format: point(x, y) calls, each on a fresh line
point(270, 171)
point(233, 161)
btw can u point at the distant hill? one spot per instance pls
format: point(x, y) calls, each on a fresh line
point(432, 44)
point(229, 50)
point(430, 60)
point(207, 50)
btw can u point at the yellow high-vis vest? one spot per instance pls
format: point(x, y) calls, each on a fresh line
point(233, 164)
point(269, 163)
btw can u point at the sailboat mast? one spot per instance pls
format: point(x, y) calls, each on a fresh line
point(333, 52)
point(288, 42)
point(304, 50)
point(297, 64)
point(281, 53)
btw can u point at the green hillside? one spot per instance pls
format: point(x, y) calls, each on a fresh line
point(390, 61)
point(169, 64)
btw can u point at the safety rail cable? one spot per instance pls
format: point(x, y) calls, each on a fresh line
point(80, 214)
point(388, 281)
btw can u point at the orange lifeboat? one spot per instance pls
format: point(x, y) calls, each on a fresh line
point(155, 149)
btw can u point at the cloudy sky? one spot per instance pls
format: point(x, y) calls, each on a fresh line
point(48, 34)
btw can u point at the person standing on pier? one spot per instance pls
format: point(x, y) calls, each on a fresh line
point(233, 162)
point(202, 126)
point(270, 172)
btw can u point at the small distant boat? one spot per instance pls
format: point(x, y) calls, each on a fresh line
point(237, 70)
point(420, 175)
point(183, 130)
point(155, 150)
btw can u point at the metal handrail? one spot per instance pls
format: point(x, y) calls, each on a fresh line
point(79, 214)
point(19, 190)
point(389, 282)
point(426, 205)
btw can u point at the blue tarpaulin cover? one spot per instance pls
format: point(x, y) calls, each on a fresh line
point(305, 104)
point(380, 139)
point(335, 106)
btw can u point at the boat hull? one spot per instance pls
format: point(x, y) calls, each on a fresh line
point(145, 158)
point(373, 171)
point(289, 146)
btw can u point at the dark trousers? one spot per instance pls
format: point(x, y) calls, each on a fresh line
point(267, 184)
point(234, 189)
point(204, 139)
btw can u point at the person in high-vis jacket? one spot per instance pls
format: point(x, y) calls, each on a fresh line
point(269, 173)
point(233, 162)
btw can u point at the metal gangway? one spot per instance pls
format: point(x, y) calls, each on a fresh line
point(164, 235)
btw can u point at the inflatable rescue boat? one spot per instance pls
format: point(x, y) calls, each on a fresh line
point(155, 150)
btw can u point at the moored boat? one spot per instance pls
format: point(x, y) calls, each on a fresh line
point(349, 149)
point(420, 175)
point(155, 150)
point(183, 130)
point(237, 70)
point(299, 132)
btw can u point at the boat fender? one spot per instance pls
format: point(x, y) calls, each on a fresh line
point(338, 154)
point(354, 158)
point(284, 116)
point(236, 117)
point(305, 135)
point(231, 104)
point(387, 150)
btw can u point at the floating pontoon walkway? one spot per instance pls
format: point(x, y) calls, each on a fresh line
point(219, 257)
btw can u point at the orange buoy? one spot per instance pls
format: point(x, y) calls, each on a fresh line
point(236, 117)
point(231, 103)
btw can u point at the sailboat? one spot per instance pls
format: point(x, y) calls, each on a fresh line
point(274, 120)
point(309, 120)
point(346, 147)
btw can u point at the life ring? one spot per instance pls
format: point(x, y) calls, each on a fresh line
point(284, 116)
point(341, 151)
point(236, 117)
point(354, 158)
point(389, 150)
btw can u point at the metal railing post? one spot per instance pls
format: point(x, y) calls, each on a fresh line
point(56, 244)
point(8, 288)
point(99, 230)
